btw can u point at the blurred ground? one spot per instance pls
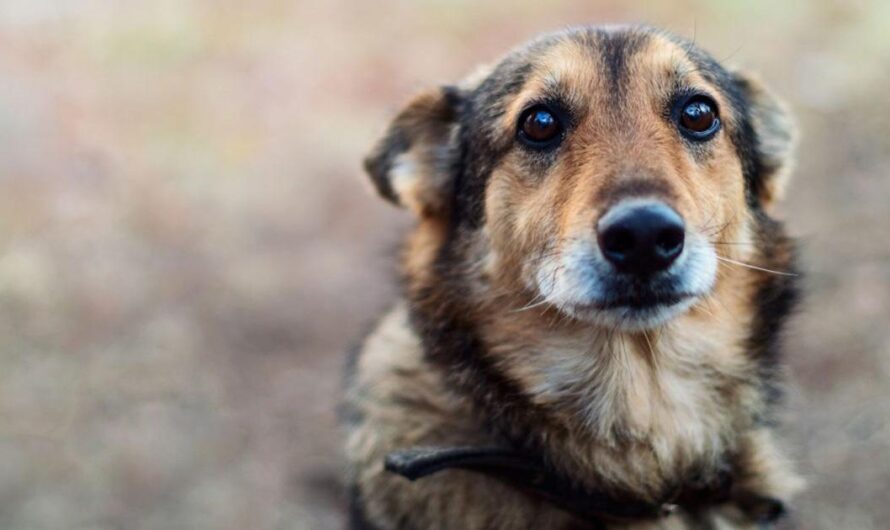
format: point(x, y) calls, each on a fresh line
point(188, 245)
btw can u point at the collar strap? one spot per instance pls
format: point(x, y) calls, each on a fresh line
point(530, 474)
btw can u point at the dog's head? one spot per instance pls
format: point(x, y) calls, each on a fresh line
point(601, 172)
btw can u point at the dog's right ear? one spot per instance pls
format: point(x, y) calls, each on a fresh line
point(413, 164)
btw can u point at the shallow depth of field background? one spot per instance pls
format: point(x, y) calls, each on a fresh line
point(187, 245)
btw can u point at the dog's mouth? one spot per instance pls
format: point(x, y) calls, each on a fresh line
point(635, 310)
point(642, 301)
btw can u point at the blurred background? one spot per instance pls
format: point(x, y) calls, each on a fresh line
point(187, 244)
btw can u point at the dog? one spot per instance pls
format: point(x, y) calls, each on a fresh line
point(593, 297)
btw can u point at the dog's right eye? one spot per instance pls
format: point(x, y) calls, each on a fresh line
point(539, 127)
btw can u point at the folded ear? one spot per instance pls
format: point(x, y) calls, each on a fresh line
point(775, 137)
point(413, 164)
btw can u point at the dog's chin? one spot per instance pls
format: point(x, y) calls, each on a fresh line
point(633, 314)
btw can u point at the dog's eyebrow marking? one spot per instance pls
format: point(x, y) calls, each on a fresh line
point(554, 86)
point(565, 73)
point(555, 94)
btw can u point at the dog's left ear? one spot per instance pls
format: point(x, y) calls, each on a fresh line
point(775, 137)
point(413, 164)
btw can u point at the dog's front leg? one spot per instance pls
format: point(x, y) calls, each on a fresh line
point(764, 483)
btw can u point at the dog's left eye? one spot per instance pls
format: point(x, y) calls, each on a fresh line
point(698, 118)
point(539, 127)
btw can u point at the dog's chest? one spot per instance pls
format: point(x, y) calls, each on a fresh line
point(668, 402)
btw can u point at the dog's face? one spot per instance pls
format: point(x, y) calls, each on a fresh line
point(602, 172)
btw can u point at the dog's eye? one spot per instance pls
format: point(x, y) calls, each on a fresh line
point(698, 118)
point(539, 127)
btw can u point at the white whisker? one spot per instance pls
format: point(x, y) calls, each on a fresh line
point(531, 305)
point(755, 267)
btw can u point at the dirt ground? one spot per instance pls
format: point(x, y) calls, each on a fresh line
point(189, 246)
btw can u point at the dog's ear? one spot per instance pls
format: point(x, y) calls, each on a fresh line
point(775, 137)
point(413, 164)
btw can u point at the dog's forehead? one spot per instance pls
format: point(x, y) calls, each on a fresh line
point(583, 59)
point(602, 60)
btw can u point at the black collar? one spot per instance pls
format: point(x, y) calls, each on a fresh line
point(531, 474)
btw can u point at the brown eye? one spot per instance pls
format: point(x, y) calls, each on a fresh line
point(698, 118)
point(539, 127)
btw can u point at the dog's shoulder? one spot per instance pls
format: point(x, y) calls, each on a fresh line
point(392, 388)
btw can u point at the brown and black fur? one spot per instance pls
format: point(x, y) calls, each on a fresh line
point(470, 356)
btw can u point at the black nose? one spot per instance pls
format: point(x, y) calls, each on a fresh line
point(641, 239)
